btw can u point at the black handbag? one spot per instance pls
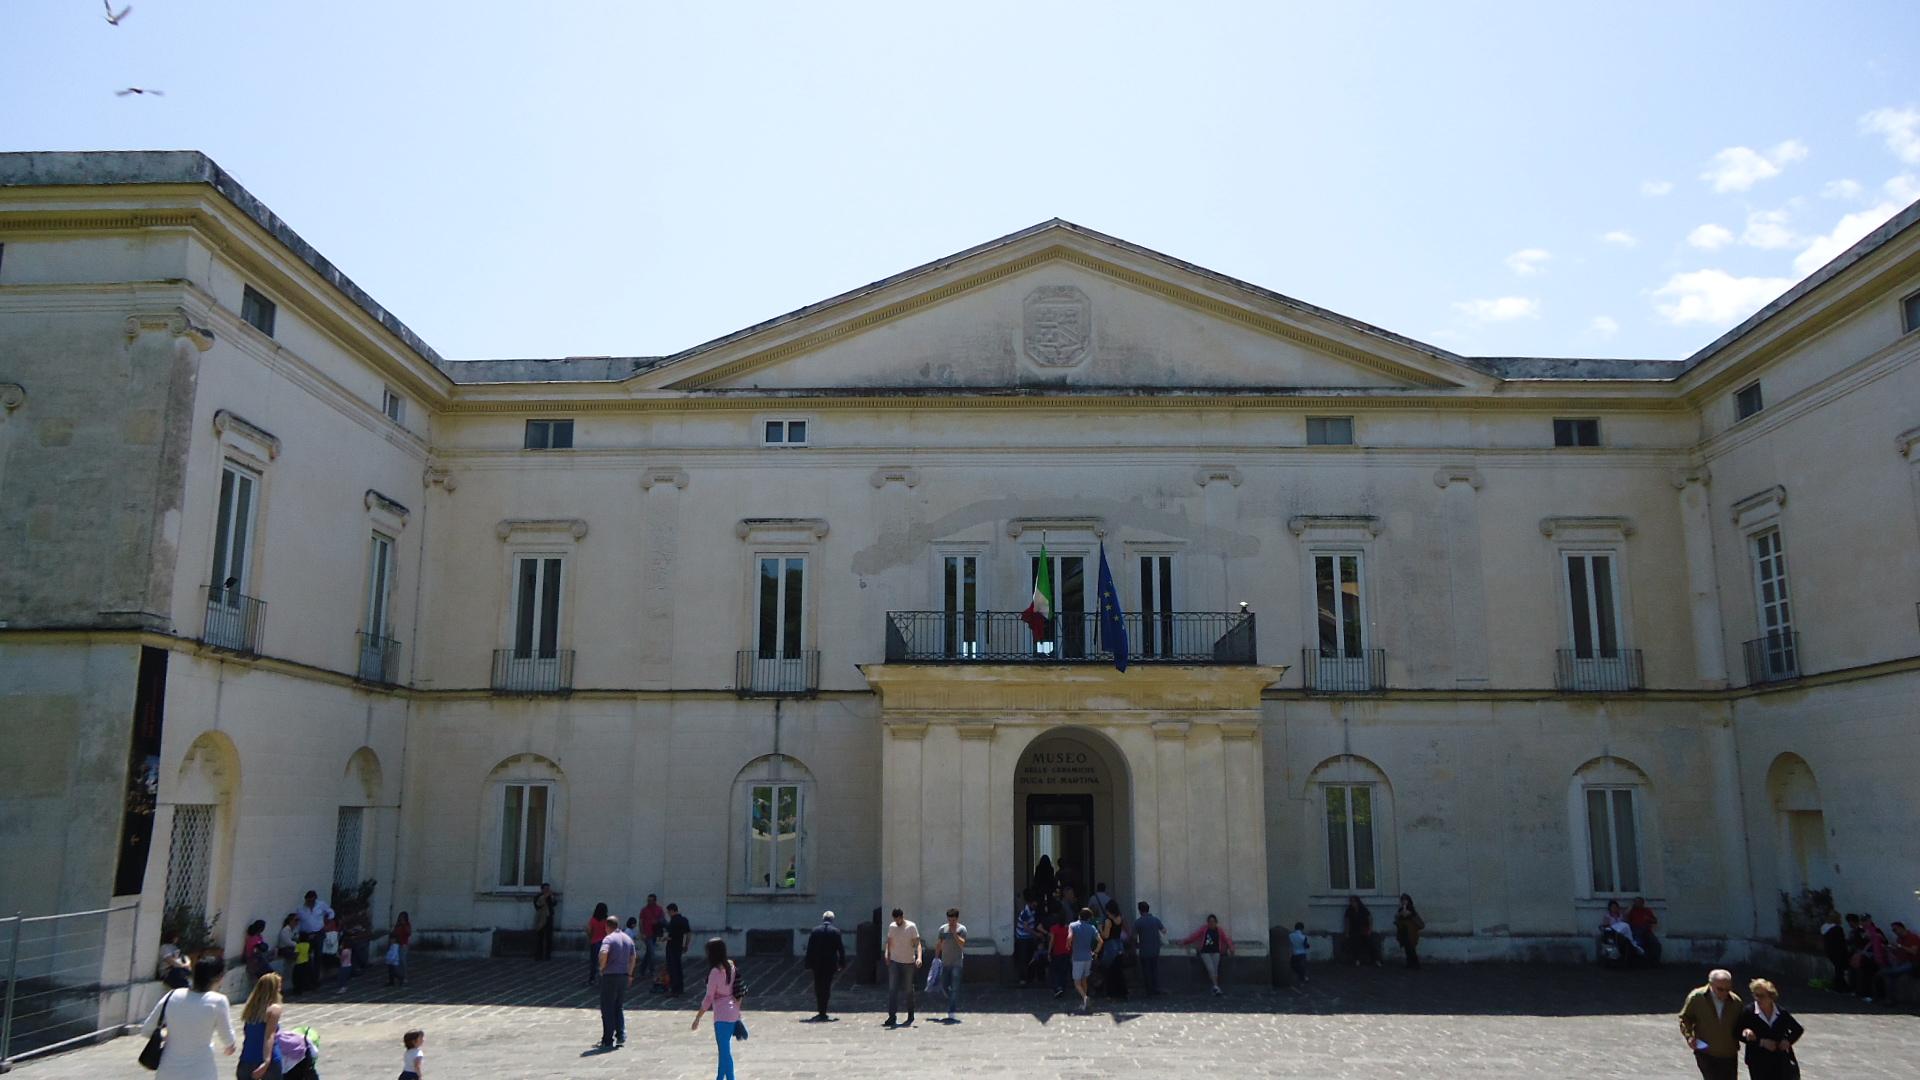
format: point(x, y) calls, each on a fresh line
point(740, 1030)
point(156, 1042)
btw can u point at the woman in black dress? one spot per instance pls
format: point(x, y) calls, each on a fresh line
point(1769, 1032)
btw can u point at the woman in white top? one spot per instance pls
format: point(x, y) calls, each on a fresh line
point(194, 1018)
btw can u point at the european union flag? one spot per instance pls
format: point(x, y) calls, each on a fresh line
point(1113, 628)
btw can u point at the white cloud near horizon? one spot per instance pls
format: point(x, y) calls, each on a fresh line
point(1767, 230)
point(1603, 326)
point(1655, 188)
point(1899, 127)
point(1710, 237)
point(1499, 309)
point(1738, 168)
point(1528, 261)
point(1713, 297)
point(1841, 189)
point(1619, 238)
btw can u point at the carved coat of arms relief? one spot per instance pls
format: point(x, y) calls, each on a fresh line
point(1058, 328)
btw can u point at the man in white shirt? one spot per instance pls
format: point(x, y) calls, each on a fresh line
point(313, 915)
point(903, 951)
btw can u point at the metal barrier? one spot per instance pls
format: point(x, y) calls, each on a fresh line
point(66, 982)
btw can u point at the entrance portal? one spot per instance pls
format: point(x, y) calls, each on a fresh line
point(1072, 806)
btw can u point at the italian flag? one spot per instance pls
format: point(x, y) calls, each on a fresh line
point(1039, 614)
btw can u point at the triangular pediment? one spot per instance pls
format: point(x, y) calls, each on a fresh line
point(1061, 307)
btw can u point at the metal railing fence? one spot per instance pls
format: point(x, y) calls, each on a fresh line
point(66, 982)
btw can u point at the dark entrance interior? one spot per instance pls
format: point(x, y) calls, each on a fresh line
point(1061, 828)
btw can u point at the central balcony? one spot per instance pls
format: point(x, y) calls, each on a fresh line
point(1003, 637)
point(527, 671)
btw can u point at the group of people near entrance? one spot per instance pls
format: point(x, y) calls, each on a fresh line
point(1868, 961)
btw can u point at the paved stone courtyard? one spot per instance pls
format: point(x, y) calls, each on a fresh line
point(517, 1018)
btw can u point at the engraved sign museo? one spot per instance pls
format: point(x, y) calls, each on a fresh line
point(1059, 766)
point(1058, 326)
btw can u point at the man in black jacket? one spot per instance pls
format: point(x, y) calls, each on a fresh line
point(826, 957)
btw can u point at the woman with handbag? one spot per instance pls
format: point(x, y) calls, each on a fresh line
point(1769, 1033)
point(182, 1027)
point(724, 991)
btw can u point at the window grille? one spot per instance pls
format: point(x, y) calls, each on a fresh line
point(190, 859)
point(346, 847)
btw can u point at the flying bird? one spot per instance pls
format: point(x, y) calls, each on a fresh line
point(114, 17)
point(139, 90)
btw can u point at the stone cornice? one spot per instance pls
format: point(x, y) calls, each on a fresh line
point(393, 512)
point(777, 529)
point(1577, 527)
point(1302, 524)
point(227, 423)
point(520, 528)
point(1759, 504)
point(493, 399)
point(1092, 523)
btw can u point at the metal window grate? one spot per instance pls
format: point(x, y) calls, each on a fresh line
point(346, 847)
point(190, 858)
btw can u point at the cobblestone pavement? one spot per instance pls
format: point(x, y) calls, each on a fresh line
point(517, 1018)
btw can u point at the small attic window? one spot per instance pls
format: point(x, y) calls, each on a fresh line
point(257, 310)
point(784, 433)
point(1329, 431)
point(1747, 401)
point(1576, 431)
point(1910, 314)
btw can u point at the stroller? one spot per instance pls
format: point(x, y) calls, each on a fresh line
point(299, 1054)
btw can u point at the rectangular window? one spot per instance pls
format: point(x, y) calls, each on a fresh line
point(1156, 606)
point(1613, 840)
point(1329, 431)
point(536, 608)
point(379, 584)
point(190, 859)
point(961, 623)
point(393, 405)
point(1593, 606)
point(1576, 431)
point(523, 834)
point(256, 310)
point(1336, 582)
point(346, 847)
point(785, 433)
point(1747, 401)
point(1069, 575)
point(781, 604)
point(1910, 313)
point(1350, 861)
point(1774, 606)
point(773, 837)
point(233, 532)
point(549, 435)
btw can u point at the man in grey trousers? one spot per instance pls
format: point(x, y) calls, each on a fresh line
point(903, 959)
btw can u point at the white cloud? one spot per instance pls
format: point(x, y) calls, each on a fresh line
point(1845, 234)
point(1620, 238)
point(1710, 237)
point(1767, 229)
point(1714, 297)
point(1528, 261)
point(1901, 129)
point(1655, 188)
point(1738, 168)
point(1841, 189)
point(1903, 188)
point(1499, 309)
point(1603, 326)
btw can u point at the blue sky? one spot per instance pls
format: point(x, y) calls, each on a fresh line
point(631, 178)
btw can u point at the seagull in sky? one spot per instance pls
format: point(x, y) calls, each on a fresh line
point(114, 17)
point(139, 90)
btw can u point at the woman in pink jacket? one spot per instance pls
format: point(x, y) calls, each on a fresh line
point(1212, 941)
point(723, 1000)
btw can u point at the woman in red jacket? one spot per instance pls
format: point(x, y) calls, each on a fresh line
point(597, 929)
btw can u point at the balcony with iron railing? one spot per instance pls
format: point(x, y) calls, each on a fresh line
point(796, 673)
point(1003, 637)
point(528, 672)
point(233, 620)
point(1357, 672)
point(379, 659)
point(1616, 674)
point(1774, 658)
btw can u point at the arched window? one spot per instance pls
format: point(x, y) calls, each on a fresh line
point(773, 854)
point(359, 792)
point(1610, 811)
point(199, 854)
point(1801, 823)
point(523, 819)
point(1355, 806)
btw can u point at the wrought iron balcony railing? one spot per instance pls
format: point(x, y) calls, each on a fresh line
point(379, 659)
point(796, 674)
point(1614, 674)
point(233, 620)
point(515, 672)
point(1774, 658)
point(1003, 637)
point(1356, 673)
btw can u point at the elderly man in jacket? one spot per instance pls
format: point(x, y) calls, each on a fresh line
point(1710, 1022)
point(826, 956)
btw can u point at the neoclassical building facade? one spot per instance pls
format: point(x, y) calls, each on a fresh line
point(287, 599)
